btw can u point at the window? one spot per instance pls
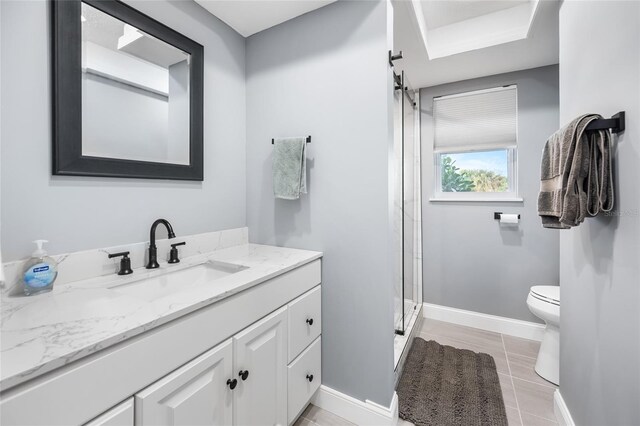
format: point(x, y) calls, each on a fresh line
point(475, 145)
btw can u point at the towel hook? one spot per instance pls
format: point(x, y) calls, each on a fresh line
point(393, 57)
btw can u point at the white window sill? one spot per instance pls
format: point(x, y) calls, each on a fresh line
point(477, 200)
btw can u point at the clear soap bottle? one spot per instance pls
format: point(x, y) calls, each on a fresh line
point(40, 271)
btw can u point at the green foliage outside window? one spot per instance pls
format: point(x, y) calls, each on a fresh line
point(487, 181)
point(455, 179)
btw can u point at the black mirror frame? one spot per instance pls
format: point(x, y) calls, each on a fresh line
point(67, 97)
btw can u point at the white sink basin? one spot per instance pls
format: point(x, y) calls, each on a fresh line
point(178, 280)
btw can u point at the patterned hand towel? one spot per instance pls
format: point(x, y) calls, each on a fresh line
point(289, 168)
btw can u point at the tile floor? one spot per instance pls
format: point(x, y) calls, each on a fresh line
point(314, 416)
point(528, 398)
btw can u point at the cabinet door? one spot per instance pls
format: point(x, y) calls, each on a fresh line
point(261, 350)
point(120, 415)
point(195, 394)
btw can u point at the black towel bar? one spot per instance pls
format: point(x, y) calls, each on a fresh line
point(615, 123)
point(308, 140)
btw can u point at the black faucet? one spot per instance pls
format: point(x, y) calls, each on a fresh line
point(153, 250)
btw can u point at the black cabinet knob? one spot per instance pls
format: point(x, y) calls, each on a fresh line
point(310, 321)
point(232, 383)
point(243, 374)
point(310, 377)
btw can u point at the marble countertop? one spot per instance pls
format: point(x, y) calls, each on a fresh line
point(41, 333)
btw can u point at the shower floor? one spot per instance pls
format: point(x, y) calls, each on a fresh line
point(400, 341)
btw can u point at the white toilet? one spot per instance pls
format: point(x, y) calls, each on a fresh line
point(544, 302)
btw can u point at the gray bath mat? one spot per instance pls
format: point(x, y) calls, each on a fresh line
point(443, 385)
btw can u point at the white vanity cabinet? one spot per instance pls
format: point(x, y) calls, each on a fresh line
point(245, 360)
point(242, 381)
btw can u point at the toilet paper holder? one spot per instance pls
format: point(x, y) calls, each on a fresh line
point(496, 215)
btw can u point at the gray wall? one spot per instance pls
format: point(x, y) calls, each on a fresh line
point(469, 261)
point(123, 121)
point(178, 128)
point(80, 213)
point(600, 272)
point(325, 74)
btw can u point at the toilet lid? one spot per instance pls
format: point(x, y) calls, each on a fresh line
point(547, 293)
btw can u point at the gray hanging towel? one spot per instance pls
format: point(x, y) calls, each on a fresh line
point(562, 201)
point(289, 168)
point(576, 175)
point(600, 180)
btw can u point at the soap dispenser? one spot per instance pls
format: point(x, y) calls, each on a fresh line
point(40, 271)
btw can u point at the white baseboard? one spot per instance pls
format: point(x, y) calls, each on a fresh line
point(561, 410)
point(365, 413)
point(509, 326)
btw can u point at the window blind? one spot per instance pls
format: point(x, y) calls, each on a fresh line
point(475, 121)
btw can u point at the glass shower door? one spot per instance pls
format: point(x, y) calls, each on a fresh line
point(407, 213)
point(408, 207)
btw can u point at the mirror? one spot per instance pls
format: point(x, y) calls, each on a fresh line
point(135, 92)
point(127, 95)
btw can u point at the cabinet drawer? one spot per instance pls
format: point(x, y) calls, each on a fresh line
point(305, 321)
point(120, 415)
point(304, 376)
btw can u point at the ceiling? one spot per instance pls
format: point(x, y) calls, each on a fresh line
point(100, 28)
point(252, 16)
point(452, 40)
point(105, 30)
point(441, 13)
